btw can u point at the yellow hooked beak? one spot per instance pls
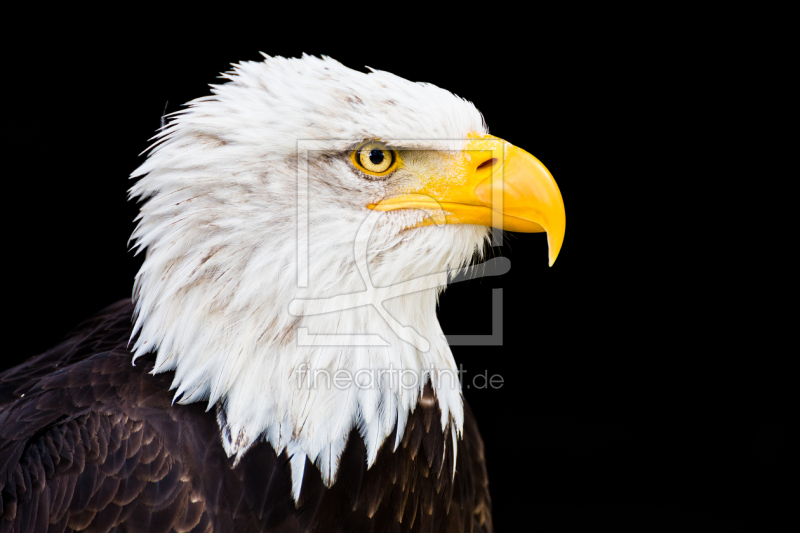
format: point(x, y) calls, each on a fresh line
point(491, 183)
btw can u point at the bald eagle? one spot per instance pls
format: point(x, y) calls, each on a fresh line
point(280, 366)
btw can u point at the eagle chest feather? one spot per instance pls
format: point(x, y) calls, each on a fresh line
point(92, 443)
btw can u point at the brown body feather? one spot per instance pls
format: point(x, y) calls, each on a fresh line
point(90, 442)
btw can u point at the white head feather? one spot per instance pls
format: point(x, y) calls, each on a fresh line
point(220, 228)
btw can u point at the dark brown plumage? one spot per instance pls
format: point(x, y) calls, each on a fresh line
point(89, 442)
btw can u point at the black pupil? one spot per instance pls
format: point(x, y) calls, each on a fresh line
point(376, 156)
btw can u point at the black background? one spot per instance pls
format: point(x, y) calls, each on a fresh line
point(640, 388)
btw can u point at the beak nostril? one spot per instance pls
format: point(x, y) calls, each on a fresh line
point(487, 164)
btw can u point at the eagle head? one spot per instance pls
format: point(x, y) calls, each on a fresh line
point(300, 222)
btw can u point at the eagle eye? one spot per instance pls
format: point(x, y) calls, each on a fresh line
point(375, 158)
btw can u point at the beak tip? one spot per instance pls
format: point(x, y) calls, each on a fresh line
point(554, 247)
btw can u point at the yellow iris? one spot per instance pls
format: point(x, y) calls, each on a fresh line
point(375, 158)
